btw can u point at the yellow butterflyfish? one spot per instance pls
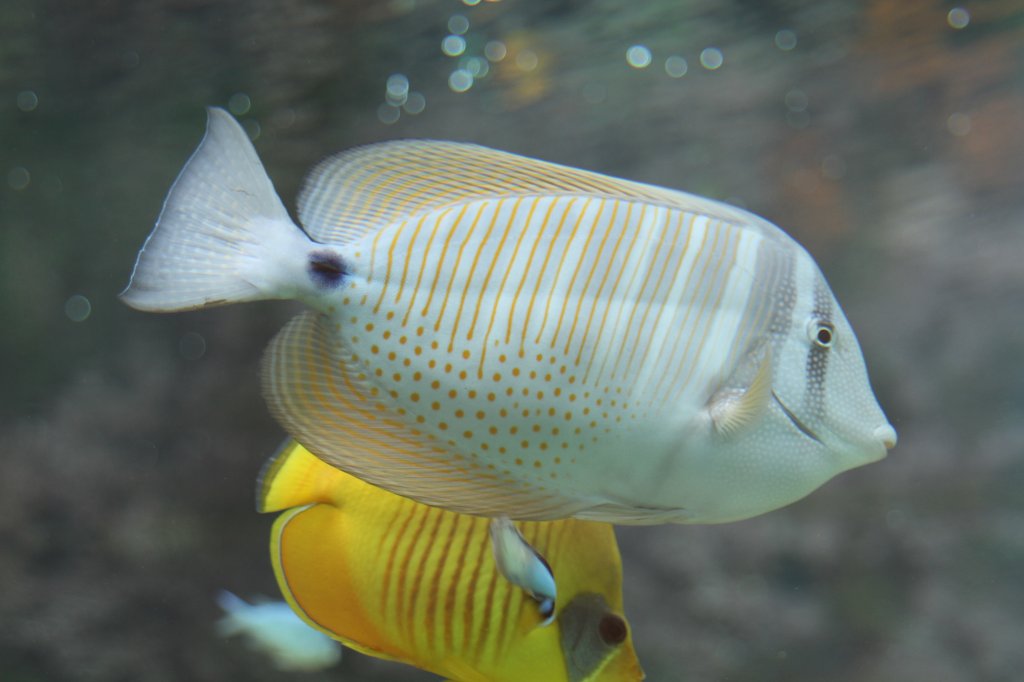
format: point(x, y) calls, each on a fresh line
point(501, 336)
point(399, 580)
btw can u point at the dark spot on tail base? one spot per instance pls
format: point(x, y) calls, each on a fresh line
point(326, 269)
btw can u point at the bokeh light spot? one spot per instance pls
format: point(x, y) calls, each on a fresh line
point(958, 124)
point(460, 80)
point(676, 66)
point(18, 178)
point(495, 50)
point(239, 104)
point(785, 40)
point(192, 346)
point(458, 24)
point(27, 100)
point(638, 56)
point(77, 308)
point(415, 103)
point(388, 113)
point(711, 58)
point(958, 18)
point(453, 45)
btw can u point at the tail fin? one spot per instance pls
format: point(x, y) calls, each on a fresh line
point(293, 477)
point(223, 235)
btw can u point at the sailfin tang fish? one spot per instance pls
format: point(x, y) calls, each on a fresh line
point(400, 580)
point(503, 336)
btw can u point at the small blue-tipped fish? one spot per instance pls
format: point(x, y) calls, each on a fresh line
point(502, 336)
point(272, 628)
point(522, 565)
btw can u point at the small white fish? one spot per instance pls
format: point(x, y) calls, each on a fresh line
point(497, 335)
point(273, 628)
point(523, 566)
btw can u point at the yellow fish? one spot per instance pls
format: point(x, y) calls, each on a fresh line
point(399, 580)
point(501, 336)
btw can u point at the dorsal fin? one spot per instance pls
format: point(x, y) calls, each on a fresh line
point(294, 476)
point(358, 191)
point(324, 398)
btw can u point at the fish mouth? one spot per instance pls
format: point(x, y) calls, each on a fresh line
point(801, 427)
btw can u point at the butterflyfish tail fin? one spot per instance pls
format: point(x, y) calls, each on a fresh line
point(223, 235)
point(325, 398)
point(293, 477)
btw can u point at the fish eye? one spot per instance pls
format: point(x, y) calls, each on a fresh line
point(612, 629)
point(822, 333)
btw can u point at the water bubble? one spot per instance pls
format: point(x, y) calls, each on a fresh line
point(796, 100)
point(388, 113)
point(18, 178)
point(453, 45)
point(192, 346)
point(676, 66)
point(458, 24)
point(711, 58)
point(958, 18)
point(77, 308)
point(638, 56)
point(27, 100)
point(959, 124)
point(527, 60)
point(397, 89)
point(785, 40)
point(460, 80)
point(495, 50)
point(239, 104)
point(415, 103)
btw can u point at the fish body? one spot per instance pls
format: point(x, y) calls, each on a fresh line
point(273, 628)
point(502, 336)
point(400, 580)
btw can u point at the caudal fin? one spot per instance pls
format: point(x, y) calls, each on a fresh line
point(223, 235)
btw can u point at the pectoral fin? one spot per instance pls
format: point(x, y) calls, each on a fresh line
point(732, 409)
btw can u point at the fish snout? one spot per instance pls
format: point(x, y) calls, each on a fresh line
point(886, 435)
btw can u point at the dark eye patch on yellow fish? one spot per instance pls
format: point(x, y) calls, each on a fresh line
point(396, 579)
point(502, 336)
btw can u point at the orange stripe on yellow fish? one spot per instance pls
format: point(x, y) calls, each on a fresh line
point(431, 555)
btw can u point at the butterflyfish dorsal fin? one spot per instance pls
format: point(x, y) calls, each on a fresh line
point(293, 477)
point(325, 399)
point(358, 191)
point(733, 409)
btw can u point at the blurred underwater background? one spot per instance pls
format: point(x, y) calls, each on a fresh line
point(887, 136)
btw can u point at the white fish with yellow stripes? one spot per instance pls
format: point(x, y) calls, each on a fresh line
point(502, 336)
